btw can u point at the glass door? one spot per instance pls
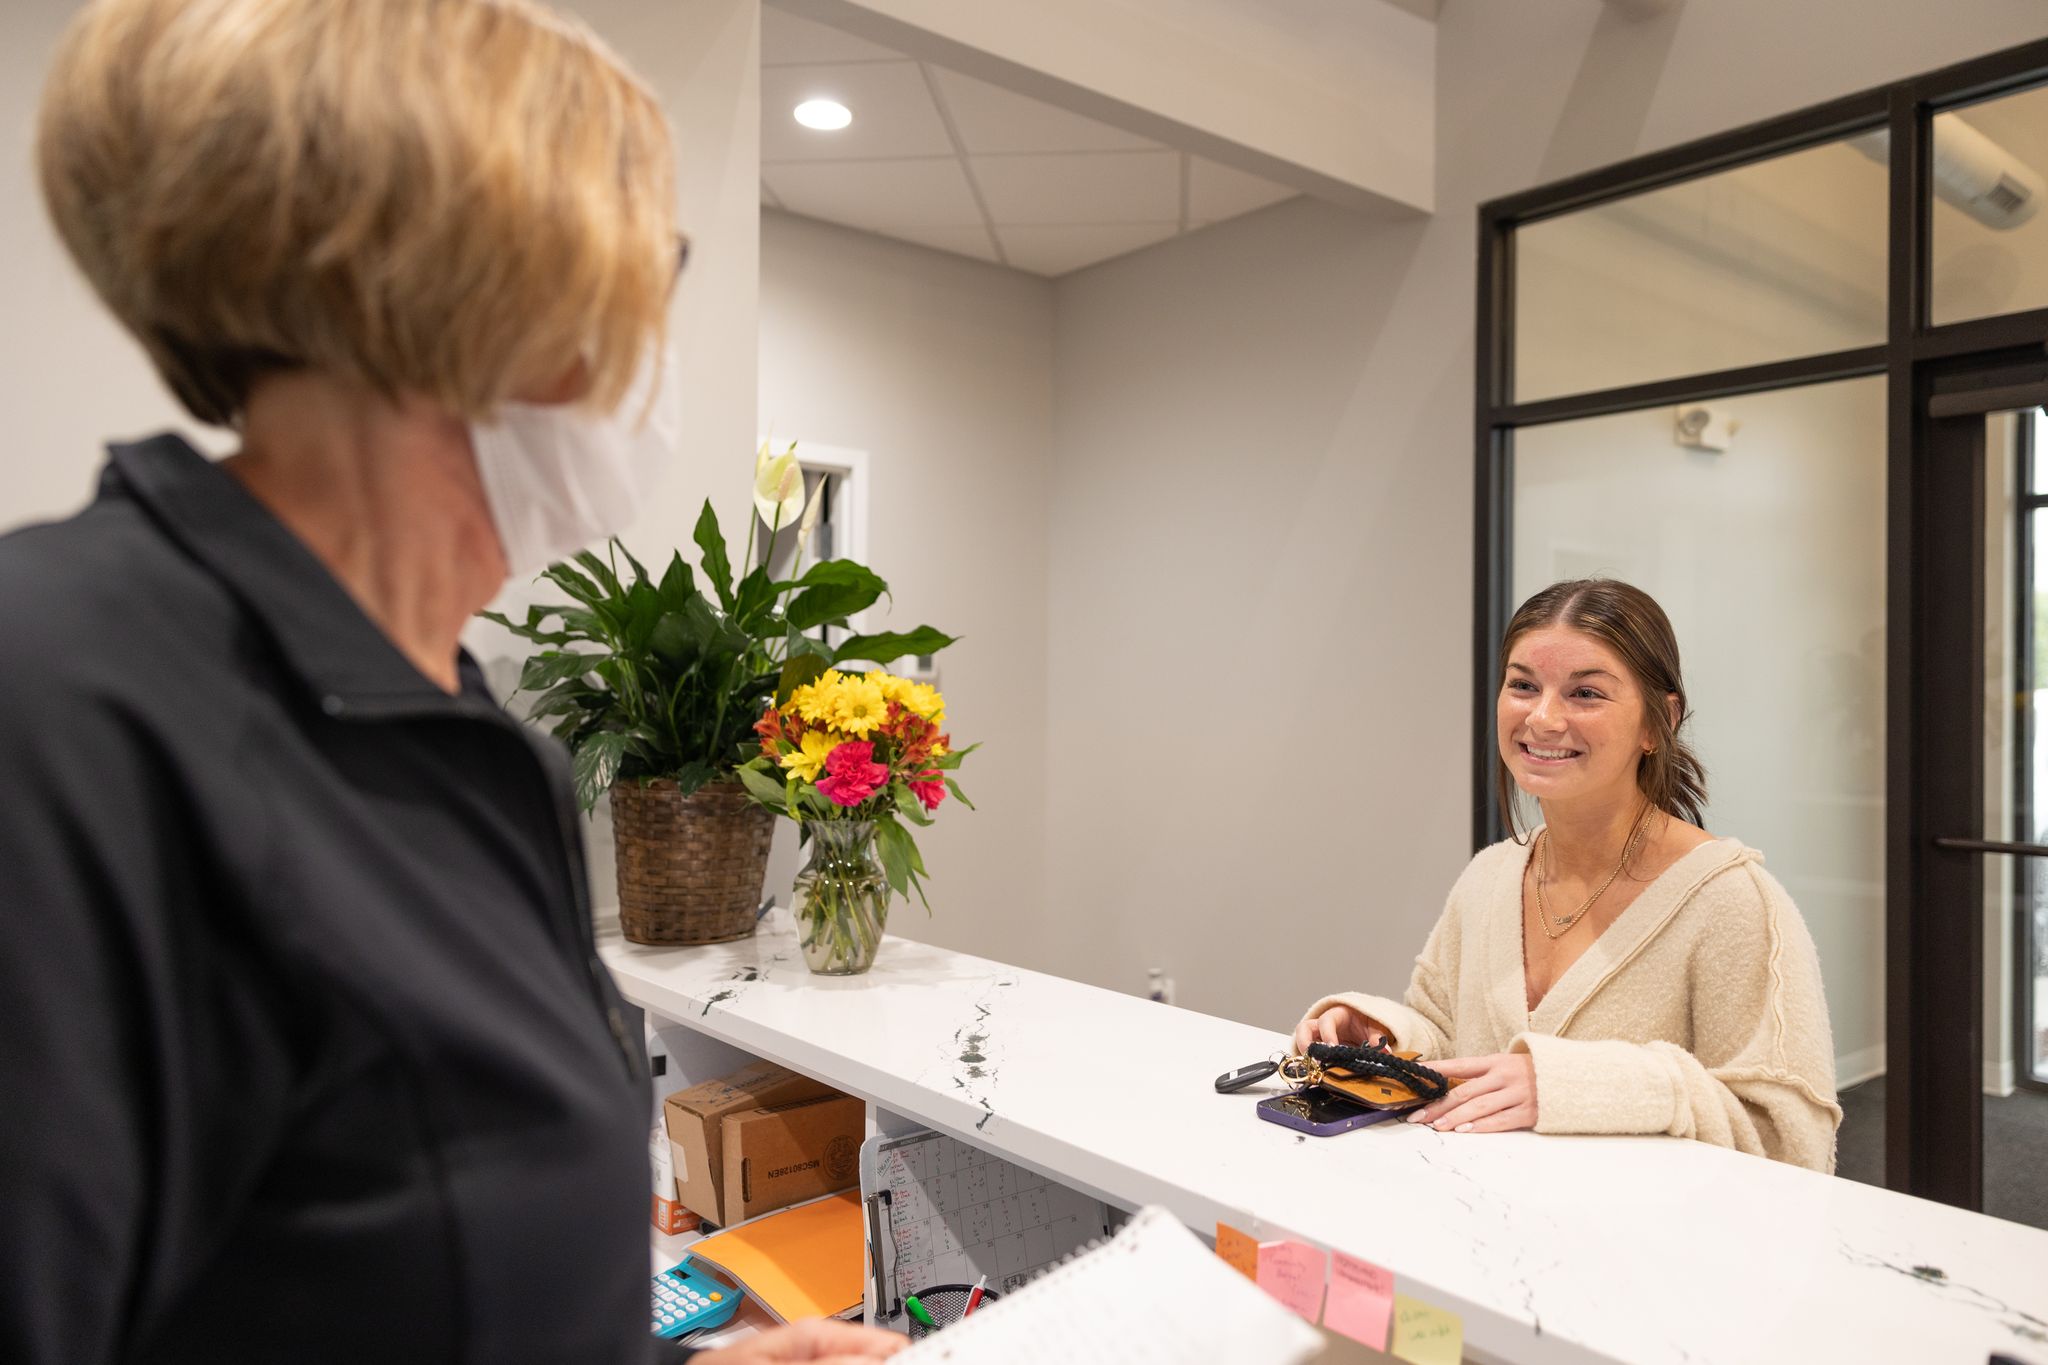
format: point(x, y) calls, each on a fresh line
point(1983, 913)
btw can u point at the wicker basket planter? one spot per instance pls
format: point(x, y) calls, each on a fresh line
point(690, 868)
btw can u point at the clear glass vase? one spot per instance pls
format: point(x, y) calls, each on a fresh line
point(842, 898)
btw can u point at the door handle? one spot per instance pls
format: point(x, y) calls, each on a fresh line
point(1994, 846)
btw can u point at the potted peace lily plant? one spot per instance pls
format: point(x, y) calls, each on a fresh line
point(655, 685)
point(852, 757)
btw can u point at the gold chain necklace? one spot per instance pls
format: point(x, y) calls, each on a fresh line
point(1565, 922)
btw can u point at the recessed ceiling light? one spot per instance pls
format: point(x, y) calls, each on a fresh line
point(824, 115)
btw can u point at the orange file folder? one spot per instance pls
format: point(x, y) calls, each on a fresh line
point(801, 1262)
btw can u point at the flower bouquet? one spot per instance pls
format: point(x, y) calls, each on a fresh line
point(850, 757)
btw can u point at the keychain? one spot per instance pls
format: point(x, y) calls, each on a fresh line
point(1232, 1081)
point(1371, 1075)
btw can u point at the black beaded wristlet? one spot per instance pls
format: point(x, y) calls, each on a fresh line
point(1367, 1060)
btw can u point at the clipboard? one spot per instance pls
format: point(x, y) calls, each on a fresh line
point(943, 1211)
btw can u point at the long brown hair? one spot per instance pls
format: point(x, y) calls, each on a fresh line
point(1627, 620)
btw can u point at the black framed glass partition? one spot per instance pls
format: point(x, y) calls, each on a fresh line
point(1762, 376)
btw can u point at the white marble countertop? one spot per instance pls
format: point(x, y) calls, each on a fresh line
point(1550, 1248)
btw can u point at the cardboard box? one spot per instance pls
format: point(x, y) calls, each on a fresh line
point(696, 1141)
point(783, 1154)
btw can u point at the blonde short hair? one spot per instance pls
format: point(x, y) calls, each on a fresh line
point(455, 199)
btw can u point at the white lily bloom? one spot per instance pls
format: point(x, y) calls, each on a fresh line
point(778, 488)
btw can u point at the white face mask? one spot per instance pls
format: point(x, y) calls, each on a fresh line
point(559, 477)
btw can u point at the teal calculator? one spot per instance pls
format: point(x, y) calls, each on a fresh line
point(687, 1300)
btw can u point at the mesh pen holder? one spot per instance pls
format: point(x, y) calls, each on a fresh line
point(947, 1303)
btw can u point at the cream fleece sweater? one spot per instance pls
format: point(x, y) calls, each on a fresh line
point(1697, 1013)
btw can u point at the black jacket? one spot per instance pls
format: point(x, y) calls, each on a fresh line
point(305, 1052)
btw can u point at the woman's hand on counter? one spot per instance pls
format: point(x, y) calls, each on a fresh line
point(1498, 1095)
point(820, 1341)
point(1339, 1024)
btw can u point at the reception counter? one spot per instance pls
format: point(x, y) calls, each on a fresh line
point(1549, 1248)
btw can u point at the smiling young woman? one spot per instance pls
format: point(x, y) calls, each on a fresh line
point(1616, 969)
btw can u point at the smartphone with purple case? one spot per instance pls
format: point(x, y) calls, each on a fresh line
point(1317, 1111)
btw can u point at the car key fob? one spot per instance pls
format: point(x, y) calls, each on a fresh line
point(1244, 1076)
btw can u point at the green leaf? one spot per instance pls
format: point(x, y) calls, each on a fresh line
point(597, 766)
point(600, 573)
point(958, 795)
point(531, 630)
point(755, 597)
point(672, 642)
point(797, 643)
point(893, 645)
point(832, 591)
point(907, 804)
point(568, 699)
point(892, 842)
point(691, 776)
point(717, 567)
point(765, 789)
point(582, 589)
point(677, 585)
point(952, 758)
point(544, 670)
point(797, 670)
point(641, 614)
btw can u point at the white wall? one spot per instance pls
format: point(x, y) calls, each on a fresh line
point(1262, 505)
point(941, 369)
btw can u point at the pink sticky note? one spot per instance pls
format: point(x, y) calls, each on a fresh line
point(1293, 1274)
point(1361, 1300)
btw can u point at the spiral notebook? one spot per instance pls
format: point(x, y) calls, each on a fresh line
point(1151, 1295)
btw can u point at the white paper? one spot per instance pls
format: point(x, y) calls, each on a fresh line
point(1151, 1295)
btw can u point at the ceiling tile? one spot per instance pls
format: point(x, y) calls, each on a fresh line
point(893, 113)
point(1081, 187)
point(787, 39)
point(992, 119)
point(1057, 250)
point(1217, 191)
point(877, 195)
point(961, 241)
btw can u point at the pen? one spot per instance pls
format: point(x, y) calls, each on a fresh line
point(974, 1299)
point(917, 1311)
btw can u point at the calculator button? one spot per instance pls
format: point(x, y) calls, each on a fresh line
point(693, 1308)
point(717, 1297)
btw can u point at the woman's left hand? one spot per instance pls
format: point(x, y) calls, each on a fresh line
point(1498, 1095)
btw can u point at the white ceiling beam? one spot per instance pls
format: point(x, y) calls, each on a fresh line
point(1358, 131)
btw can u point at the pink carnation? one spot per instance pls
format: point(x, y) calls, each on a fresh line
point(930, 789)
point(853, 775)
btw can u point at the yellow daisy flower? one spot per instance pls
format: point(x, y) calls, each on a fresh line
point(924, 699)
point(815, 701)
point(809, 760)
point(858, 707)
point(893, 687)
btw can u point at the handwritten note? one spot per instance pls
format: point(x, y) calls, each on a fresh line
point(1293, 1274)
point(1239, 1251)
point(1426, 1335)
point(1361, 1300)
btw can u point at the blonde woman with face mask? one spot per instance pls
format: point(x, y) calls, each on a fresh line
point(309, 1054)
point(1617, 969)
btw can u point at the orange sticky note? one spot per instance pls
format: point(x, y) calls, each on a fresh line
point(1361, 1300)
point(1293, 1274)
point(1425, 1334)
point(1238, 1251)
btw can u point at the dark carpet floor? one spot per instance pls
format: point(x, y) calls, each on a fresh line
point(2015, 1149)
